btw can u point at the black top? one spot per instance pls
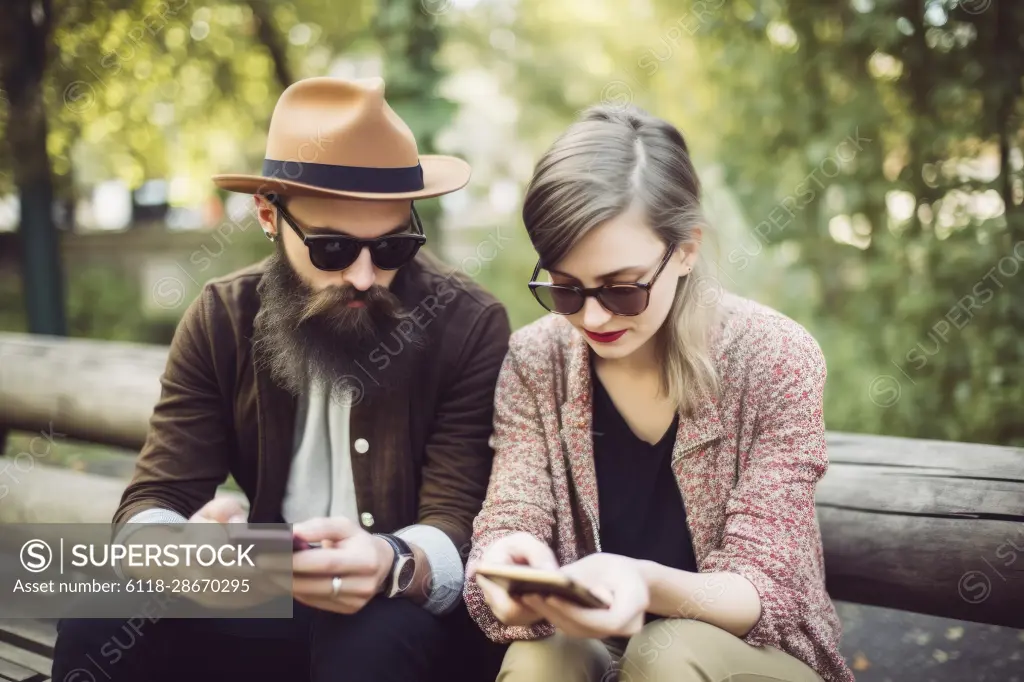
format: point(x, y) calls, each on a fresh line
point(641, 508)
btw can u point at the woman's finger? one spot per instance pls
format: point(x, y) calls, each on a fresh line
point(574, 620)
point(496, 553)
point(526, 549)
point(495, 596)
point(567, 625)
point(595, 620)
point(536, 603)
point(624, 617)
point(505, 608)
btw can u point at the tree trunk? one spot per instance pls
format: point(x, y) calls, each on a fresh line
point(1008, 122)
point(24, 41)
point(411, 37)
point(272, 39)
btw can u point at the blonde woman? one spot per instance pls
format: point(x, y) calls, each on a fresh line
point(659, 449)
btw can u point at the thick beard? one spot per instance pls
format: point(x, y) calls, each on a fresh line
point(304, 336)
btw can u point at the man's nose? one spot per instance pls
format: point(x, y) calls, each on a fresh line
point(361, 274)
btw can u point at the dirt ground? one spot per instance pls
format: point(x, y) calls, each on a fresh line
point(882, 645)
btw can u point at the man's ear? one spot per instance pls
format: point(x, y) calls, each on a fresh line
point(266, 214)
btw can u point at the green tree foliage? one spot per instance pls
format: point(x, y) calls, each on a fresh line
point(160, 88)
point(141, 89)
point(878, 143)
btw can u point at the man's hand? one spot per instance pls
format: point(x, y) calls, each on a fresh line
point(517, 549)
point(359, 559)
point(254, 587)
point(221, 510)
point(218, 510)
point(615, 578)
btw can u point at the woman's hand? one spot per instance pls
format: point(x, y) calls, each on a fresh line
point(615, 578)
point(517, 549)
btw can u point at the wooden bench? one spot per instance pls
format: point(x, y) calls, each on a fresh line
point(26, 650)
point(924, 526)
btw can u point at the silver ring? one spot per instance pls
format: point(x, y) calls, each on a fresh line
point(335, 586)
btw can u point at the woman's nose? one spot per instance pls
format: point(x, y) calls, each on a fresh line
point(594, 314)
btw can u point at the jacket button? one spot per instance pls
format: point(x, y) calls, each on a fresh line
point(366, 518)
point(362, 445)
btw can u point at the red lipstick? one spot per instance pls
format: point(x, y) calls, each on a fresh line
point(607, 337)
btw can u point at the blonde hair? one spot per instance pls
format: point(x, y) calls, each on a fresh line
point(606, 161)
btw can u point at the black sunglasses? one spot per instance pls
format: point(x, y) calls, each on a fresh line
point(619, 299)
point(333, 252)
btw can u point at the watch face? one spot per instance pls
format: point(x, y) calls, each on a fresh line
point(405, 575)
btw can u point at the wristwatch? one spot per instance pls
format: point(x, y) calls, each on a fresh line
point(403, 568)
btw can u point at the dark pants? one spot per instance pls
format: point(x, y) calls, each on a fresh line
point(390, 639)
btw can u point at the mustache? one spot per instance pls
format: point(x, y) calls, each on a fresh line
point(328, 310)
point(334, 301)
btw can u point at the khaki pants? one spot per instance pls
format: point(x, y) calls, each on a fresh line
point(671, 650)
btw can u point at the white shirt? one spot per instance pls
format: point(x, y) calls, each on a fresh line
point(320, 482)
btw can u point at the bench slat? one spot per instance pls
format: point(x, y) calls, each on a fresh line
point(37, 636)
point(12, 672)
point(925, 526)
point(28, 644)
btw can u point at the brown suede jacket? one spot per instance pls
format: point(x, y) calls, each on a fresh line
point(428, 460)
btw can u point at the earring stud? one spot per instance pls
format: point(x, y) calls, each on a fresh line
point(270, 236)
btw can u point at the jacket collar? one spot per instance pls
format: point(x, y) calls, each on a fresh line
point(694, 431)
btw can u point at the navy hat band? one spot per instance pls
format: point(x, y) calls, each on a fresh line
point(347, 178)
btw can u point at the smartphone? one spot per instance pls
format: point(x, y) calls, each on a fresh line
point(271, 541)
point(298, 544)
point(263, 541)
point(519, 580)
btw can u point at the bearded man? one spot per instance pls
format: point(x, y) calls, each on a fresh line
point(346, 383)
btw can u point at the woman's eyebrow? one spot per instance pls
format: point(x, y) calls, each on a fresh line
point(608, 275)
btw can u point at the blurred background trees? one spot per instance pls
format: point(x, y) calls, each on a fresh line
point(862, 161)
point(897, 129)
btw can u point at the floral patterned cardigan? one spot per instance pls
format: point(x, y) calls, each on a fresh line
point(746, 462)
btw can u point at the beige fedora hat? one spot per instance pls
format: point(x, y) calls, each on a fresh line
point(331, 137)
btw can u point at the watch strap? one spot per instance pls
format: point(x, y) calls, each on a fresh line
point(403, 554)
